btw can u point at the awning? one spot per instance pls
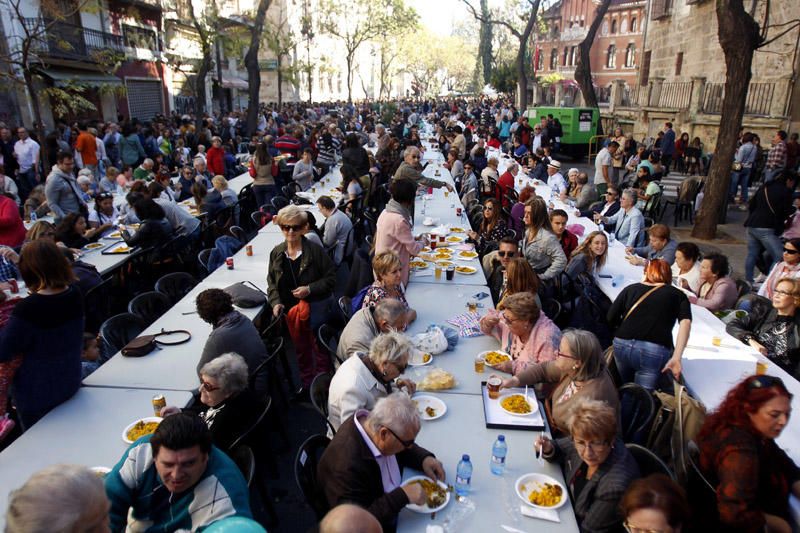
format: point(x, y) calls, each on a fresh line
point(234, 83)
point(63, 78)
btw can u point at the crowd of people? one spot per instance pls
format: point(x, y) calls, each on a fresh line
point(531, 257)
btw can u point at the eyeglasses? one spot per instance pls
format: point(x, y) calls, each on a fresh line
point(784, 293)
point(633, 529)
point(291, 227)
point(507, 320)
point(565, 355)
point(406, 443)
point(595, 446)
point(208, 386)
point(506, 254)
point(765, 382)
point(488, 208)
point(788, 251)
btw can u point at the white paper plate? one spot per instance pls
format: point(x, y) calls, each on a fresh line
point(426, 400)
point(466, 255)
point(525, 484)
point(470, 273)
point(451, 239)
point(417, 360)
point(100, 471)
point(424, 509)
point(531, 400)
point(114, 235)
point(130, 426)
point(482, 355)
point(93, 246)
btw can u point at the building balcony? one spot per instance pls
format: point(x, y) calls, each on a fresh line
point(61, 40)
point(575, 33)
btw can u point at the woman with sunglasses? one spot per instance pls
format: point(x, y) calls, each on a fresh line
point(492, 227)
point(301, 272)
point(739, 457)
point(774, 330)
point(590, 256)
point(788, 268)
point(578, 370)
point(524, 332)
point(365, 378)
point(596, 464)
point(225, 404)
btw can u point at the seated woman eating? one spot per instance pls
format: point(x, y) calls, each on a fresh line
point(580, 372)
point(524, 332)
point(388, 274)
point(596, 462)
point(774, 330)
point(154, 229)
point(73, 232)
point(752, 475)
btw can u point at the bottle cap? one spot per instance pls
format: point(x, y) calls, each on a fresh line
point(465, 457)
point(501, 438)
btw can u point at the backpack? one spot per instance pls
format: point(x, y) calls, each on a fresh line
point(590, 309)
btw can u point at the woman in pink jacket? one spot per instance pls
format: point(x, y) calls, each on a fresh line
point(718, 290)
point(524, 332)
point(394, 228)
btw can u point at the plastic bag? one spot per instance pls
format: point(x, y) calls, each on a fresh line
point(433, 341)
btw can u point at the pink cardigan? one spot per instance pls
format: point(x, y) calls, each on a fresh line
point(721, 296)
point(394, 234)
point(542, 344)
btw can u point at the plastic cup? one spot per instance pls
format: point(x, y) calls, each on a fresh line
point(472, 305)
point(716, 341)
point(493, 386)
point(450, 273)
point(480, 365)
point(437, 271)
point(761, 367)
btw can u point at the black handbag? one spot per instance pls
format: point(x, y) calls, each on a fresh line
point(144, 344)
point(246, 294)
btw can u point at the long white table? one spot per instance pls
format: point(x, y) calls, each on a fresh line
point(85, 430)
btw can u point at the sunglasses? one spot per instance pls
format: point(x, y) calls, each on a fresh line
point(765, 382)
point(291, 227)
point(406, 443)
point(506, 254)
point(488, 208)
point(788, 251)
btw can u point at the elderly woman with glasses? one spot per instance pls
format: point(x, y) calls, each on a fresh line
point(579, 371)
point(225, 403)
point(364, 378)
point(524, 332)
point(300, 272)
point(739, 457)
point(388, 284)
point(774, 330)
point(596, 464)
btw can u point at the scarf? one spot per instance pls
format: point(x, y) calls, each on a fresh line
point(396, 207)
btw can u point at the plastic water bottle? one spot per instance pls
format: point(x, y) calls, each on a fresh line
point(617, 280)
point(463, 475)
point(33, 217)
point(499, 451)
point(601, 227)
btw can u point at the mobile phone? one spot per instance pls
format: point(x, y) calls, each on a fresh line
point(606, 276)
point(481, 295)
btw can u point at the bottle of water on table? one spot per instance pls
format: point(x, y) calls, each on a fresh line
point(499, 451)
point(463, 475)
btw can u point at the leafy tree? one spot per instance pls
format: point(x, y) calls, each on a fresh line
point(504, 78)
point(205, 23)
point(359, 21)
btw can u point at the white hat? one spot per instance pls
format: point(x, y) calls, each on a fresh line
point(555, 164)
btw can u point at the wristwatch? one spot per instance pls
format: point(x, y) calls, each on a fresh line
point(747, 338)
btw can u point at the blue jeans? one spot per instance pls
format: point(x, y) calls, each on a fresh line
point(761, 239)
point(640, 362)
point(741, 178)
point(264, 195)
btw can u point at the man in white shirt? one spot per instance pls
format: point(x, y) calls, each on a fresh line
point(555, 180)
point(26, 150)
point(602, 168)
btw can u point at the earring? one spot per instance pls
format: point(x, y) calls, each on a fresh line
point(574, 367)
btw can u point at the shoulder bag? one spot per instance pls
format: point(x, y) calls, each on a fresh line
point(640, 300)
point(246, 294)
point(144, 344)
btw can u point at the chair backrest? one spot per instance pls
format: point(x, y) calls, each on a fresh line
point(239, 233)
point(118, 331)
point(305, 472)
point(176, 285)
point(649, 463)
point(700, 491)
point(551, 308)
point(244, 438)
point(149, 306)
point(743, 287)
point(319, 395)
point(97, 304)
point(328, 338)
point(638, 408)
point(344, 307)
point(243, 457)
point(279, 202)
point(202, 259)
point(259, 218)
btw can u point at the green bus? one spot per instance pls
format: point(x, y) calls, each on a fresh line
point(579, 125)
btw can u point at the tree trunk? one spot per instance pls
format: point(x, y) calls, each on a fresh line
point(583, 72)
point(485, 46)
point(739, 37)
point(38, 125)
point(349, 59)
point(280, 80)
point(251, 64)
point(522, 77)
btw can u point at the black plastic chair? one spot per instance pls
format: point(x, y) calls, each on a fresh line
point(743, 287)
point(319, 396)
point(202, 259)
point(149, 306)
point(97, 304)
point(259, 219)
point(279, 202)
point(637, 411)
point(243, 457)
point(176, 285)
point(551, 308)
point(344, 308)
point(305, 473)
point(239, 233)
point(701, 492)
point(328, 339)
point(118, 331)
point(649, 463)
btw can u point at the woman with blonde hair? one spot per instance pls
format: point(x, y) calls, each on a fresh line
point(388, 283)
point(589, 256)
point(520, 277)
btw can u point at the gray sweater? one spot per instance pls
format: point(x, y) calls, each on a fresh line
point(63, 193)
point(236, 333)
point(337, 230)
point(303, 174)
point(182, 222)
point(545, 254)
point(358, 334)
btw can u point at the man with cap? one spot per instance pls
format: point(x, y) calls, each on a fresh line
point(555, 180)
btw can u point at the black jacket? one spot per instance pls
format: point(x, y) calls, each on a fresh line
point(151, 233)
point(232, 418)
point(770, 206)
point(761, 317)
point(316, 270)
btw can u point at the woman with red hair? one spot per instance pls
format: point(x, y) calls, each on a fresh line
point(753, 476)
point(644, 315)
